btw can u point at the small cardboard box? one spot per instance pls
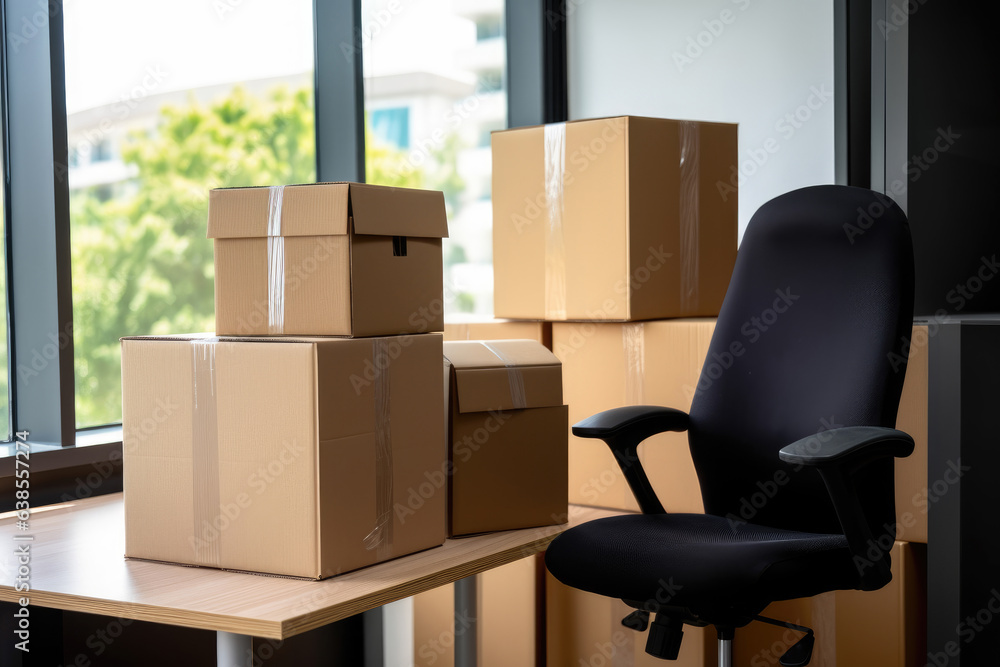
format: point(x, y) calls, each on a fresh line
point(327, 259)
point(285, 456)
point(613, 219)
point(500, 330)
point(608, 365)
point(507, 431)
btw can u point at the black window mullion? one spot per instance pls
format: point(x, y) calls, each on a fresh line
point(340, 93)
point(37, 193)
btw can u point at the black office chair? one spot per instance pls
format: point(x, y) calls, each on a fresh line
point(790, 430)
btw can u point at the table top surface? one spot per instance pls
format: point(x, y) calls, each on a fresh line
point(77, 565)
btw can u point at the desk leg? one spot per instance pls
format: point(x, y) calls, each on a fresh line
point(466, 636)
point(233, 650)
point(45, 641)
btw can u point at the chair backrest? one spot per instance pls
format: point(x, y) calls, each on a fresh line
point(812, 335)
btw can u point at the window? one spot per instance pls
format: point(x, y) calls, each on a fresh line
point(392, 126)
point(488, 27)
point(218, 94)
point(5, 420)
point(452, 87)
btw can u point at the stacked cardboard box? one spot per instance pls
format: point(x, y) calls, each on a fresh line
point(288, 421)
point(510, 613)
point(609, 229)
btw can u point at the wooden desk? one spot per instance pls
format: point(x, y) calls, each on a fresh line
point(77, 565)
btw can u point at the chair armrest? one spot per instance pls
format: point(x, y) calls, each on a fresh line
point(838, 455)
point(849, 445)
point(623, 429)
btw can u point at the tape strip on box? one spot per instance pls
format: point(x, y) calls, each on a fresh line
point(275, 262)
point(380, 538)
point(205, 453)
point(514, 377)
point(688, 213)
point(634, 347)
point(555, 244)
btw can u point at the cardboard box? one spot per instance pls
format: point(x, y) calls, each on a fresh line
point(886, 627)
point(508, 623)
point(507, 431)
point(607, 365)
point(612, 365)
point(585, 629)
point(617, 219)
point(330, 259)
point(319, 440)
point(499, 330)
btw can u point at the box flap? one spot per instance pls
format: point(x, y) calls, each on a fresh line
point(385, 211)
point(485, 381)
point(314, 209)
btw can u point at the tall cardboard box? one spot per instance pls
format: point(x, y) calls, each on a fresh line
point(318, 440)
point(327, 259)
point(510, 600)
point(507, 433)
point(499, 330)
point(618, 219)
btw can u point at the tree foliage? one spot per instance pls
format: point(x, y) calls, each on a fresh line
point(141, 261)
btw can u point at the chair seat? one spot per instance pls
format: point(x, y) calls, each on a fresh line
point(699, 561)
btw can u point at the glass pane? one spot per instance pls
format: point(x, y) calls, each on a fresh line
point(165, 100)
point(434, 90)
point(5, 433)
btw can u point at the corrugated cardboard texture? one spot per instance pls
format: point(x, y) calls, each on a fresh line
point(585, 629)
point(499, 330)
point(341, 272)
point(605, 366)
point(598, 375)
point(508, 464)
point(639, 193)
point(296, 421)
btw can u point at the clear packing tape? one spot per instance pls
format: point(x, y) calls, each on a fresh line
point(634, 347)
point(205, 452)
point(688, 213)
point(380, 538)
point(515, 378)
point(555, 244)
point(275, 262)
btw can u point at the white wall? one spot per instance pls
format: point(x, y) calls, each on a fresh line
point(754, 62)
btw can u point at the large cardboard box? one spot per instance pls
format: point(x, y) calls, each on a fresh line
point(508, 620)
point(608, 365)
point(620, 219)
point(585, 629)
point(499, 330)
point(510, 612)
point(612, 365)
point(327, 259)
point(887, 627)
point(319, 440)
point(507, 433)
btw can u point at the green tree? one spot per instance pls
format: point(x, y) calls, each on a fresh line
point(141, 261)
